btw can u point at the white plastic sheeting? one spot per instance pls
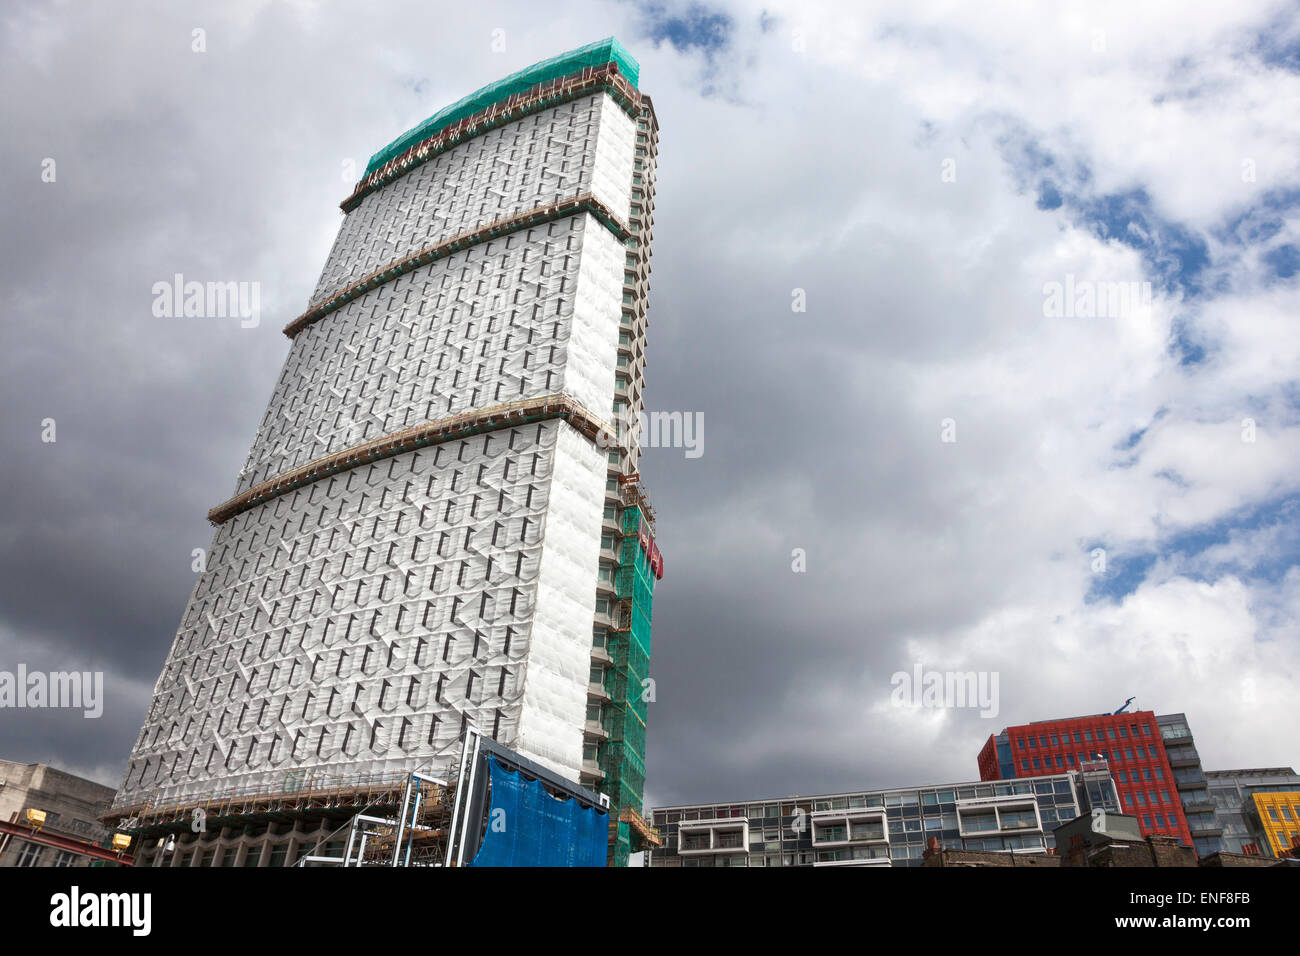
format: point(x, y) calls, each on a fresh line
point(555, 686)
point(485, 326)
point(357, 624)
point(352, 625)
point(502, 172)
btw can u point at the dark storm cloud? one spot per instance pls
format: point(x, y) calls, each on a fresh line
point(821, 427)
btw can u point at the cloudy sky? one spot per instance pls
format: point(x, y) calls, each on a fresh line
point(864, 215)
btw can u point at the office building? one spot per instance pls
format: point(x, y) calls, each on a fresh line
point(440, 524)
point(1257, 809)
point(1130, 744)
point(60, 810)
point(1191, 784)
point(880, 827)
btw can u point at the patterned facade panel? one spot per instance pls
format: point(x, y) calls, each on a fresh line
point(489, 325)
point(359, 623)
point(539, 159)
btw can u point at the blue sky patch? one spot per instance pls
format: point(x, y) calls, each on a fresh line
point(1126, 572)
point(698, 28)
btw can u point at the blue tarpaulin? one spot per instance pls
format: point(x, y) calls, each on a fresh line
point(528, 827)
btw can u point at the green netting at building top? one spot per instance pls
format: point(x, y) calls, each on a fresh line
point(599, 53)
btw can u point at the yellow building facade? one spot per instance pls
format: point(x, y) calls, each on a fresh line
point(1279, 815)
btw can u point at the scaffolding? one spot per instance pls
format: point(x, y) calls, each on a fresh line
point(415, 836)
point(628, 684)
point(465, 239)
point(297, 794)
point(521, 412)
point(605, 63)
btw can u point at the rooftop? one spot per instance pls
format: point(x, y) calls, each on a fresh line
point(608, 50)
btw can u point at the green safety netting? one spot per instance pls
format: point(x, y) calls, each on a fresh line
point(623, 754)
point(599, 53)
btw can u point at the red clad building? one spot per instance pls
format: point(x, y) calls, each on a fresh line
point(1130, 744)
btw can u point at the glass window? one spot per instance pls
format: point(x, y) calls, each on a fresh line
point(30, 854)
point(1018, 819)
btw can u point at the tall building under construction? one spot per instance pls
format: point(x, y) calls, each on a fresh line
point(439, 525)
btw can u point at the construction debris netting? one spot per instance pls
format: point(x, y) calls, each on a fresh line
point(599, 53)
point(528, 827)
point(629, 647)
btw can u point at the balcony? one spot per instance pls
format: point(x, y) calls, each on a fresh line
point(999, 815)
point(841, 828)
point(700, 837)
